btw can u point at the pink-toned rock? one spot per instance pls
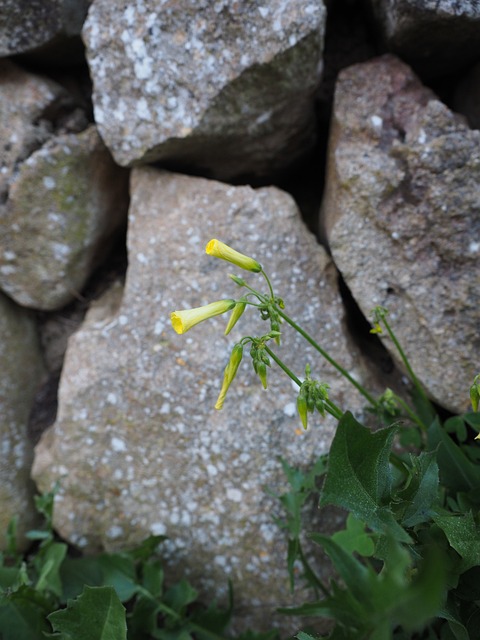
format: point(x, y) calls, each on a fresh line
point(401, 213)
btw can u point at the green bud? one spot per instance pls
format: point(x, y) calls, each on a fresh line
point(261, 370)
point(475, 393)
point(240, 281)
point(302, 408)
point(237, 312)
point(230, 373)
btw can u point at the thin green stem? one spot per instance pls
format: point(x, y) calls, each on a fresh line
point(406, 362)
point(327, 357)
point(411, 414)
point(269, 284)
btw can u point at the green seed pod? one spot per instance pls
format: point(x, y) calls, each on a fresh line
point(262, 373)
point(302, 408)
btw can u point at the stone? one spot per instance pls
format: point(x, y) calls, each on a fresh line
point(401, 213)
point(21, 374)
point(27, 104)
point(436, 37)
point(138, 447)
point(65, 204)
point(30, 25)
point(225, 88)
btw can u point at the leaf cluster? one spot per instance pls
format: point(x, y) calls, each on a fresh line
point(111, 596)
point(407, 564)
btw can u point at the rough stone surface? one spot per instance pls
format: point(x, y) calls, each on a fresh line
point(402, 217)
point(21, 374)
point(138, 447)
point(27, 102)
point(226, 87)
point(65, 203)
point(26, 25)
point(436, 37)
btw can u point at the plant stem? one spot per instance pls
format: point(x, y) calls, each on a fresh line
point(269, 284)
point(327, 357)
point(411, 414)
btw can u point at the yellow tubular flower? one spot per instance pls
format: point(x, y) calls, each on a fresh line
point(238, 309)
point(230, 373)
point(218, 249)
point(184, 320)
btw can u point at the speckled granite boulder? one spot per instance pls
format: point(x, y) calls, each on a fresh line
point(21, 374)
point(436, 37)
point(27, 25)
point(65, 203)
point(138, 447)
point(402, 217)
point(225, 87)
point(27, 104)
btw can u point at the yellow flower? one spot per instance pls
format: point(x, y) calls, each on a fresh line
point(230, 373)
point(184, 320)
point(220, 250)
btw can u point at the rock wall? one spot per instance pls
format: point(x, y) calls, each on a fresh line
point(248, 121)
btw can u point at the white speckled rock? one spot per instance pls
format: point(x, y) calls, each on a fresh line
point(402, 216)
point(225, 87)
point(21, 374)
point(25, 100)
point(436, 37)
point(137, 446)
point(26, 25)
point(65, 203)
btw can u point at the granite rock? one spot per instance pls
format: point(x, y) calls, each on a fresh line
point(138, 447)
point(65, 204)
point(401, 212)
point(226, 88)
point(21, 374)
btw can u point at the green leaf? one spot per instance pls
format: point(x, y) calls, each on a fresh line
point(119, 572)
point(8, 576)
point(48, 562)
point(75, 573)
point(355, 538)
point(180, 595)
point(422, 491)
point(23, 614)
point(97, 614)
point(463, 535)
point(359, 477)
point(456, 471)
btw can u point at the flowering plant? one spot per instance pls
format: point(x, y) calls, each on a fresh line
point(408, 560)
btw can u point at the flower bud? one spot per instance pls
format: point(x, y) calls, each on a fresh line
point(302, 408)
point(230, 373)
point(237, 312)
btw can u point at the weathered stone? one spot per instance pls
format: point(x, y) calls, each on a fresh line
point(402, 217)
point(65, 203)
point(436, 37)
point(27, 102)
point(20, 375)
point(224, 87)
point(27, 25)
point(138, 447)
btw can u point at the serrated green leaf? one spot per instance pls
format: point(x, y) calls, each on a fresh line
point(355, 538)
point(75, 573)
point(422, 492)
point(23, 614)
point(359, 477)
point(97, 614)
point(463, 535)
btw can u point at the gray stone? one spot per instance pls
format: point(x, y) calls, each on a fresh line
point(224, 87)
point(401, 212)
point(27, 103)
point(21, 374)
point(436, 37)
point(138, 447)
point(65, 204)
point(27, 25)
